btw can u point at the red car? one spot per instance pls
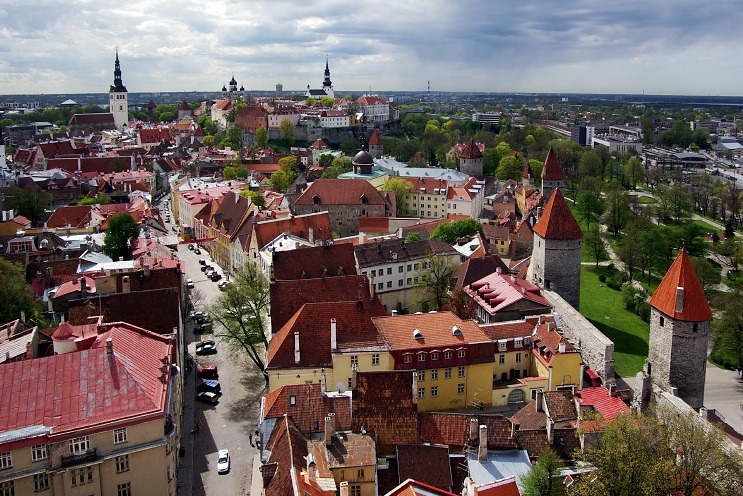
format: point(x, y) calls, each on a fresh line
point(208, 372)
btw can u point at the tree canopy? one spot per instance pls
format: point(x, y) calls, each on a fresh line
point(451, 231)
point(15, 294)
point(254, 196)
point(122, 228)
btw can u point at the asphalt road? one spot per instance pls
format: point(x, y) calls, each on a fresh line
point(227, 424)
point(723, 391)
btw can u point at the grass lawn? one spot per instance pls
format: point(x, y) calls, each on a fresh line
point(646, 200)
point(605, 309)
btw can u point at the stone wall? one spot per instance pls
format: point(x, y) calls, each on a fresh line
point(596, 349)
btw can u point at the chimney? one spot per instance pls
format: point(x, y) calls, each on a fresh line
point(311, 467)
point(296, 347)
point(333, 334)
point(29, 351)
point(331, 416)
point(311, 236)
point(679, 299)
point(344, 488)
point(323, 381)
point(394, 313)
point(613, 389)
point(23, 317)
point(482, 449)
point(561, 347)
point(83, 288)
point(539, 399)
point(473, 429)
point(109, 346)
point(328, 431)
point(146, 269)
point(514, 428)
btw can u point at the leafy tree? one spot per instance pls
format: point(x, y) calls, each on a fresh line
point(122, 228)
point(617, 212)
point(15, 294)
point(287, 130)
point(591, 165)
point(208, 125)
point(413, 236)
point(327, 102)
point(628, 250)
point(281, 180)
point(401, 188)
point(325, 159)
point(544, 478)
point(676, 200)
point(229, 173)
point(261, 137)
point(633, 172)
point(709, 276)
point(595, 243)
point(209, 140)
point(434, 281)
point(451, 231)
point(287, 163)
point(632, 458)
point(461, 305)
point(339, 166)
point(241, 313)
point(728, 329)
point(254, 196)
point(509, 167)
point(99, 199)
point(242, 172)
point(590, 206)
point(31, 203)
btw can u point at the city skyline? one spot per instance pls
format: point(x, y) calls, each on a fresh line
point(69, 47)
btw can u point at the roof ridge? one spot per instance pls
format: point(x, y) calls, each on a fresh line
point(557, 220)
point(693, 301)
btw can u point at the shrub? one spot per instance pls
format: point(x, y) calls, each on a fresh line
point(602, 278)
point(615, 283)
point(643, 311)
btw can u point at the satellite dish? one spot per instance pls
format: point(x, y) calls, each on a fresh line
point(340, 387)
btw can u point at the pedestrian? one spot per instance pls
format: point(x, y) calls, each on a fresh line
point(250, 438)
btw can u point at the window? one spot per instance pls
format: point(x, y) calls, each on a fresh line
point(389, 271)
point(421, 375)
point(410, 280)
point(399, 282)
point(447, 355)
point(350, 385)
point(435, 375)
point(662, 321)
point(355, 490)
point(5, 460)
point(460, 353)
point(380, 285)
point(518, 342)
point(120, 435)
point(447, 373)
point(375, 359)
point(416, 266)
point(41, 482)
point(518, 357)
point(354, 362)
point(400, 269)
point(124, 489)
point(434, 391)
point(408, 358)
point(38, 452)
point(389, 284)
point(410, 267)
point(695, 327)
point(501, 345)
point(81, 476)
point(421, 393)
point(421, 357)
point(7, 488)
point(374, 273)
point(460, 371)
point(435, 355)
point(460, 388)
point(360, 473)
point(292, 400)
point(501, 359)
point(79, 445)
point(122, 464)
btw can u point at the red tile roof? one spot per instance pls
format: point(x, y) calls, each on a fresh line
point(695, 307)
point(87, 388)
point(507, 330)
point(471, 150)
point(74, 216)
point(426, 463)
point(452, 429)
point(557, 221)
point(155, 135)
point(552, 170)
point(375, 139)
point(412, 487)
point(499, 292)
point(315, 226)
point(502, 487)
point(310, 407)
point(314, 262)
point(340, 192)
point(599, 398)
point(436, 329)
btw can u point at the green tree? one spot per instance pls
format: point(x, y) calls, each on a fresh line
point(229, 173)
point(31, 203)
point(242, 172)
point(509, 167)
point(209, 141)
point(629, 252)
point(544, 478)
point(325, 159)
point(633, 172)
point(241, 312)
point(595, 243)
point(413, 236)
point(261, 137)
point(590, 206)
point(728, 329)
point(16, 295)
point(617, 212)
point(254, 196)
point(287, 130)
point(281, 180)
point(327, 102)
point(709, 276)
point(122, 228)
point(288, 163)
point(339, 166)
point(451, 231)
point(401, 188)
point(434, 281)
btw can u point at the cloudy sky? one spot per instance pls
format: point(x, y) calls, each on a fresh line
point(571, 46)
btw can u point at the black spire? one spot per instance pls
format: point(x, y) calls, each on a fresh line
point(327, 81)
point(118, 86)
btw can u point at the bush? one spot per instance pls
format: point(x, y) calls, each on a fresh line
point(615, 283)
point(643, 311)
point(602, 278)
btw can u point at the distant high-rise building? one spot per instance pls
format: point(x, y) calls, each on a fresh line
point(279, 90)
point(118, 100)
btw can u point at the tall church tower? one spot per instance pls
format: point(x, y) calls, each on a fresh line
point(552, 175)
point(118, 101)
point(327, 84)
point(555, 258)
point(679, 328)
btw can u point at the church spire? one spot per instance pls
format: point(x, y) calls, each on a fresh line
point(118, 85)
point(327, 83)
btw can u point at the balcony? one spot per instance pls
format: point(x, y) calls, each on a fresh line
point(80, 458)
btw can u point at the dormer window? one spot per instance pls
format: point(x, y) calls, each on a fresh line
point(518, 342)
point(316, 200)
point(502, 345)
point(364, 200)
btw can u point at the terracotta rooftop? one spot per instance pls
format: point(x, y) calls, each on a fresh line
point(688, 304)
point(602, 401)
point(557, 220)
point(436, 329)
point(412, 487)
point(312, 227)
point(308, 407)
point(560, 405)
point(552, 170)
point(507, 330)
point(72, 216)
point(425, 463)
point(340, 192)
point(499, 292)
point(375, 139)
point(314, 262)
point(471, 150)
point(77, 390)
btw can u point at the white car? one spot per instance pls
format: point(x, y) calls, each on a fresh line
point(223, 461)
point(189, 283)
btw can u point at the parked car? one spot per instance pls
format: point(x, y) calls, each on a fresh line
point(216, 276)
point(190, 246)
point(223, 285)
point(208, 397)
point(189, 283)
point(591, 378)
point(197, 251)
point(204, 268)
point(223, 461)
point(204, 317)
point(208, 347)
point(207, 372)
point(203, 328)
point(202, 261)
point(196, 315)
point(209, 385)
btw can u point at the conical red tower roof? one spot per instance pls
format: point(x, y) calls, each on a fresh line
point(557, 221)
point(552, 170)
point(680, 295)
point(375, 139)
point(471, 150)
point(527, 172)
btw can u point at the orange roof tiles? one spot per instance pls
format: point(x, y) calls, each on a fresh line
point(309, 408)
point(552, 170)
point(694, 305)
point(471, 150)
point(557, 220)
point(340, 192)
point(375, 139)
point(312, 227)
point(435, 327)
point(599, 398)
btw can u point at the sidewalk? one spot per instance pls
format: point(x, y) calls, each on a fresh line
point(185, 463)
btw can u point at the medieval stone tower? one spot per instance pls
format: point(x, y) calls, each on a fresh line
point(555, 259)
point(376, 149)
point(470, 159)
point(118, 101)
point(552, 175)
point(679, 328)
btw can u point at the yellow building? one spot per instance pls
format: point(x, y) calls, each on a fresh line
point(101, 421)
point(453, 358)
point(427, 198)
point(556, 358)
